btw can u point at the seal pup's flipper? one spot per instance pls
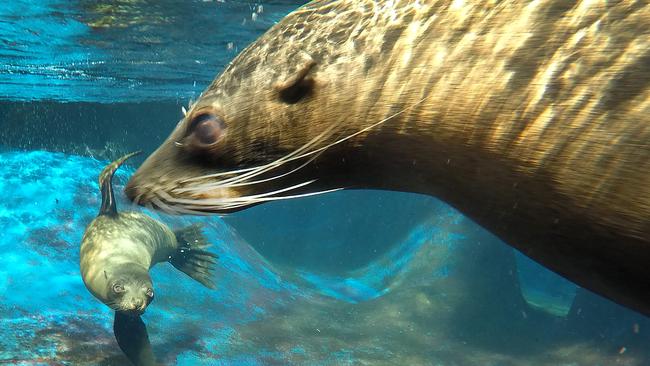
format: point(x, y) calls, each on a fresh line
point(191, 257)
point(106, 185)
point(133, 339)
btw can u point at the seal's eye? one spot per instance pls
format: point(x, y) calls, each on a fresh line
point(206, 129)
point(118, 288)
point(149, 292)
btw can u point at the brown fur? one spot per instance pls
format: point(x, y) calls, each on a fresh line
point(530, 117)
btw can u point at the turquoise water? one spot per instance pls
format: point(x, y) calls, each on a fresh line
point(110, 51)
point(349, 278)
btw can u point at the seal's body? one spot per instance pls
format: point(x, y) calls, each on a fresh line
point(530, 117)
point(117, 251)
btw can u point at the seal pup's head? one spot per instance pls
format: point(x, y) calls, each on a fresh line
point(108, 270)
point(129, 288)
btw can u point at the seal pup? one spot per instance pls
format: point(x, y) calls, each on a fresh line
point(117, 251)
point(530, 117)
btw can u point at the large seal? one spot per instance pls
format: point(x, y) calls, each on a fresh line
point(530, 117)
point(117, 251)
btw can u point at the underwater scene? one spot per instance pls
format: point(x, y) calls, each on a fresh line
point(347, 277)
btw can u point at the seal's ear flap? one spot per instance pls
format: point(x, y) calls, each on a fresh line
point(297, 84)
point(133, 339)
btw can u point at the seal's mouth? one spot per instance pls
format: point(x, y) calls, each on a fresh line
point(130, 305)
point(133, 310)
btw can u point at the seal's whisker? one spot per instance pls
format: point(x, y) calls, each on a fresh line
point(184, 210)
point(160, 204)
point(163, 195)
point(218, 185)
point(254, 171)
point(289, 157)
point(266, 199)
point(215, 175)
point(199, 204)
point(267, 167)
point(179, 209)
point(277, 191)
point(296, 153)
point(218, 201)
point(137, 198)
point(248, 173)
point(361, 131)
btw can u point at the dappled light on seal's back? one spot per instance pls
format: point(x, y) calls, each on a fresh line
point(510, 124)
point(516, 113)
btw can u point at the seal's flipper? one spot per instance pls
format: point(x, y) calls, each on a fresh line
point(191, 257)
point(106, 185)
point(133, 339)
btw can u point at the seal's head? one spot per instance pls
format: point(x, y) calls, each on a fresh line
point(276, 110)
point(128, 289)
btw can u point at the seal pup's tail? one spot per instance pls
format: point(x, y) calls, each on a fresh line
point(191, 257)
point(106, 185)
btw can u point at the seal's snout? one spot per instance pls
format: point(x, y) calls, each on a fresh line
point(141, 181)
point(146, 180)
point(136, 191)
point(131, 189)
point(138, 305)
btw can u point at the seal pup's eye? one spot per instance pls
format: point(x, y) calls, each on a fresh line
point(205, 129)
point(149, 292)
point(118, 288)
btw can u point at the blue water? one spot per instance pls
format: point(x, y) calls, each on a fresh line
point(349, 278)
point(86, 50)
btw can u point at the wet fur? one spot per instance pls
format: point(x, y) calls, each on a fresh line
point(124, 246)
point(532, 118)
